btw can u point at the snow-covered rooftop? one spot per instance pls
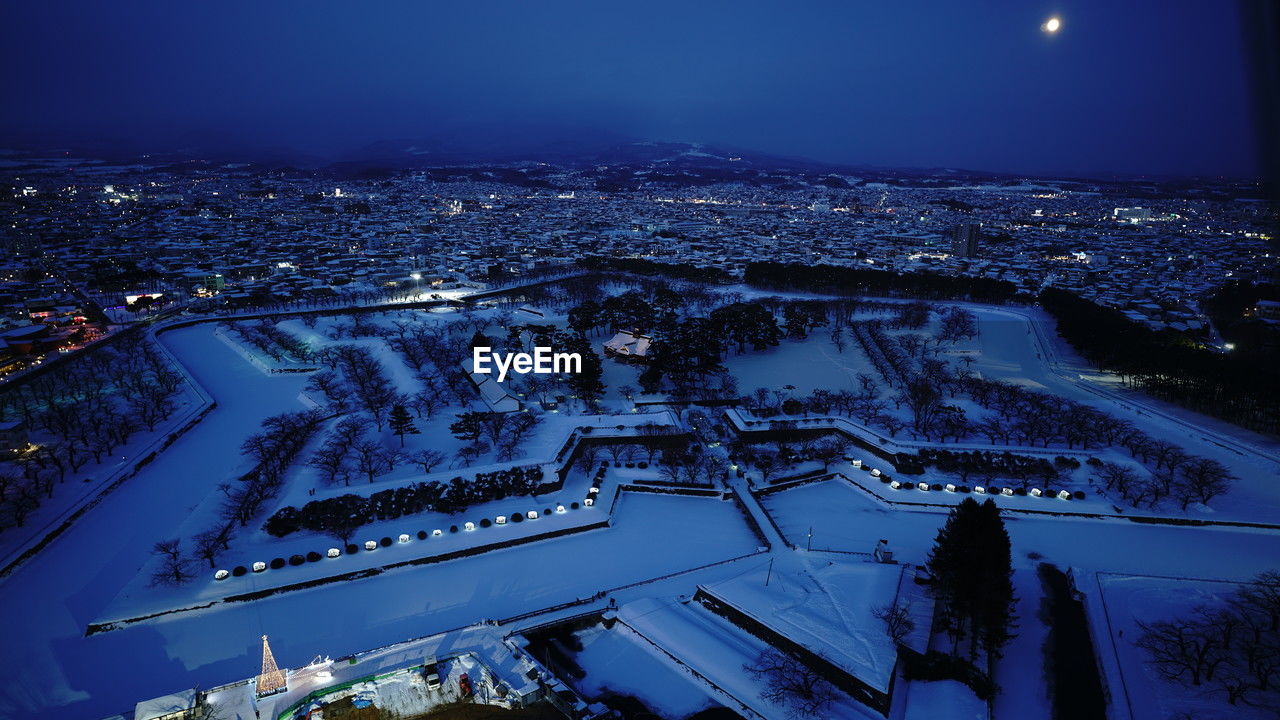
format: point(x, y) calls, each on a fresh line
point(826, 607)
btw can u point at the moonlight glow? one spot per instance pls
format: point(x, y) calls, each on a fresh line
point(1052, 25)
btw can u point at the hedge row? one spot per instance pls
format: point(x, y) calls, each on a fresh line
point(341, 516)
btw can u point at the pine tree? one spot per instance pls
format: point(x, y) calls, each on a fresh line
point(972, 568)
point(993, 619)
point(402, 422)
point(947, 566)
point(588, 384)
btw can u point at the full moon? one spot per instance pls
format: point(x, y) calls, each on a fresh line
point(1052, 25)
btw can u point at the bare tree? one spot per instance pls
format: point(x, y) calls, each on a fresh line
point(427, 459)
point(897, 621)
point(209, 545)
point(669, 467)
point(372, 458)
point(1201, 479)
point(174, 569)
point(1182, 650)
point(828, 450)
point(331, 461)
point(791, 683)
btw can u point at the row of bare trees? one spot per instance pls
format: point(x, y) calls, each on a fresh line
point(81, 411)
point(272, 451)
point(1230, 650)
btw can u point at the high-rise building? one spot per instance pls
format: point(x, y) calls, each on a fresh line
point(1132, 214)
point(964, 239)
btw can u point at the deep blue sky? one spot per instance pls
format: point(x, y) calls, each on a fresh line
point(1140, 86)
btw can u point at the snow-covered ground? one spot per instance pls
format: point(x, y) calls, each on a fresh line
point(53, 671)
point(1118, 603)
point(617, 662)
point(845, 519)
point(1020, 346)
point(715, 652)
point(93, 478)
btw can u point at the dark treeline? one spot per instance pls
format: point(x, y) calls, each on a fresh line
point(839, 280)
point(1244, 389)
point(1230, 307)
point(341, 516)
point(650, 267)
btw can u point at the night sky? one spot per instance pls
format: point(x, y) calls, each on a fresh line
point(1128, 86)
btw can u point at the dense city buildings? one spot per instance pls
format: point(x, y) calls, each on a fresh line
point(136, 238)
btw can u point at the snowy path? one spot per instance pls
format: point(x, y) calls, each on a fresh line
point(1019, 345)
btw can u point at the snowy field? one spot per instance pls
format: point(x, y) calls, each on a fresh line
point(53, 671)
point(82, 486)
point(844, 519)
point(617, 662)
point(1144, 695)
point(714, 650)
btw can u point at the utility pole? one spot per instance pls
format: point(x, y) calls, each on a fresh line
point(809, 541)
point(768, 574)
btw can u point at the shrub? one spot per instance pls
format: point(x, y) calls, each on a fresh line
point(1095, 462)
point(296, 560)
point(385, 542)
point(885, 479)
point(630, 465)
point(239, 570)
point(642, 465)
point(453, 528)
point(277, 563)
point(546, 511)
point(935, 486)
point(485, 522)
point(962, 488)
point(313, 556)
point(1020, 492)
point(573, 505)
point(352, 548)
point(517, 516)
point(286, 520)
point(1079, 494)
point(324, 516)
point(422, 534)
point(935, 665)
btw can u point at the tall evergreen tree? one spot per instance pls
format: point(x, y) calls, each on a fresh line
point(971, 566)
point(588, 384)
point(402, 422)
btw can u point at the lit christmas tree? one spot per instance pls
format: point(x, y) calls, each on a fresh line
point(271, 680)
